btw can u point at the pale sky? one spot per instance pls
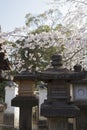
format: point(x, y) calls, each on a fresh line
point(12, 12)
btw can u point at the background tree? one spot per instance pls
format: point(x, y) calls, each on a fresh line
point(48, 34)
point(34, 52)
point(46, 21)
point(73, 13)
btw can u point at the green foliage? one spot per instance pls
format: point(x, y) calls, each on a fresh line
point(29, 18)
point(37, 58)
point(43, 22)
point(44, 28)
point(58, 27)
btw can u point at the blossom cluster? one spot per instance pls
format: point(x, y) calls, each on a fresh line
point(33, 50)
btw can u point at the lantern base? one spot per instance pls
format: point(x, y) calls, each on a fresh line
point(59, 109)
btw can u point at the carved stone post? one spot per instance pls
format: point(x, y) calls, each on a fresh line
point(25, 99)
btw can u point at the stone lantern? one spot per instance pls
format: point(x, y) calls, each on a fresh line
point(25, 99)
point(58, 107)
point(80, 99)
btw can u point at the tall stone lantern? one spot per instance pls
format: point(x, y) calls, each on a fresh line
point(58, 107)
point(25, 99)
point(80, 99)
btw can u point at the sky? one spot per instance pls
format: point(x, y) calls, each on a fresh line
point(13, 12)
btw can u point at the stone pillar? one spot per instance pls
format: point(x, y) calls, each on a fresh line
point(58, 124)
point(25, 118)
point(25, 105)
point(25, 99)
point(11, 114)
point(82, 119)
point(42, 121)
point(42, 97)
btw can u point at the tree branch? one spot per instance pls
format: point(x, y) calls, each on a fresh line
point(82, 2)
point(73, 55)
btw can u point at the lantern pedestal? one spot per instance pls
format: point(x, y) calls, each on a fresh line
point(55, 124)
point(82, 119)
point(25, 118)
point(58, 114)
point(25, 103)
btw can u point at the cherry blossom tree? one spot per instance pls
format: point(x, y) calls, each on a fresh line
point(34, 51)
point(73, 13)
point(46, 21)
point(32, 47)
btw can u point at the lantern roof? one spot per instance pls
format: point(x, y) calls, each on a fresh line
point(78, 68)
point(57, 72)
point(24, 75)
point(81, 81)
